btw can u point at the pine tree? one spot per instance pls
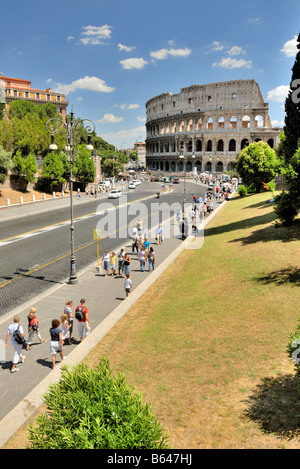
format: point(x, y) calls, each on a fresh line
point(292, 110)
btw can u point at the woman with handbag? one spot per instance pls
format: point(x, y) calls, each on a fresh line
point(33, 327)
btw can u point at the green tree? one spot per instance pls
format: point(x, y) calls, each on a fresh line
point(257, 163)
point(5, 164)
point(52, 171)
point(30, 168)
point(292, 111)
point(84, 167)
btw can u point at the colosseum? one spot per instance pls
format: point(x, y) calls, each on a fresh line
point(204, 126)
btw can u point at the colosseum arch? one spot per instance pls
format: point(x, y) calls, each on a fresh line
point(208, 166)
point(210, 123)
point(233, 122)
point(220, 145)
point(259, 121)
point(244, 143)
point(232, 145)
point(199, 124)
point(219, 167)
point(221, 123)
point(190, 125)
point(209, 145)
point(246, 122)
point(198, 166)
point(198, 145)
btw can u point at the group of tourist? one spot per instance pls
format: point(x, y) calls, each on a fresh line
point(60, 332)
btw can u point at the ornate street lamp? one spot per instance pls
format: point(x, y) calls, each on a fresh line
point(182, 157)
point(55, 125)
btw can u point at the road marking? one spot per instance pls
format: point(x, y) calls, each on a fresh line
point(66, 255)
point(46, 229)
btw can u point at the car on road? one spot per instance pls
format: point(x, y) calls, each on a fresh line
point(131, 185)
point(114, 194)
point(136, 182)
point(176, 181)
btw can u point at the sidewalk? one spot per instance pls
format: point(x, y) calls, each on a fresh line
point(21, 393)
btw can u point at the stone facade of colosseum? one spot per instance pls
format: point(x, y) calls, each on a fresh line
point(207, 124)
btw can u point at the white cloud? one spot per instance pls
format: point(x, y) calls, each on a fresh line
point(162, 54)
point(125, 134)
point(236, 50)
point(49, 80)
point(134, 62)
point(129, 106)
point(70, 38)
point(110, 119)
point(86, 83)
point(125, 48)
point(215, 46)
point(133, 106)
point(94, 35)
point(229, 62)
point(276, 123)
point(290, 47)
point(141, 119)
point(254, 20)
point(278, 94)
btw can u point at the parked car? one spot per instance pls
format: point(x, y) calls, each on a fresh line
point(114, 194)
point(131, 185)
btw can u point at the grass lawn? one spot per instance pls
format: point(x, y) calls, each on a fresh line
point(206, 344)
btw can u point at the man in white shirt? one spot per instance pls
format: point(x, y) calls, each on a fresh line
point(134, 239)
point(18, 357)
point(159, 236)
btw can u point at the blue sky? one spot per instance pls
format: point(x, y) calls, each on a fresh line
point(111, 56)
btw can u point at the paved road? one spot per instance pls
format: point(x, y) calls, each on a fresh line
point(35, 247)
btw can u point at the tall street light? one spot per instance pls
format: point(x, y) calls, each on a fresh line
point(56, 125)
point(182, 157)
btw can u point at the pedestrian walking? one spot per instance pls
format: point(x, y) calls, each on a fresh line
point(127, 285)
point(106, 261)
point(33, 327)
point(142, 259)
point(127, 262)
point(113, 262)
point(151, 258)
point(68, 312)
point(146, 245)
point(83, 320)
point(65, 333)
point(56, 342)
point(134, 240)
point(16, 334)
point(121, 256)
point(159, 234)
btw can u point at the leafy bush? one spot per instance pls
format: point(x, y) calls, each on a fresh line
point(242, 190)
point(91, 409)
point(286, 207)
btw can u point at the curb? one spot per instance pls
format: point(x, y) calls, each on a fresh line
point(14, 420)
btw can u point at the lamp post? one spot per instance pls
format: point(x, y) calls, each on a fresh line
point(182, 157)
point(56, 125)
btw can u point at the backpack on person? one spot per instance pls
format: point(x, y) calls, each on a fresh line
point(18, 336)
point(79, 313)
